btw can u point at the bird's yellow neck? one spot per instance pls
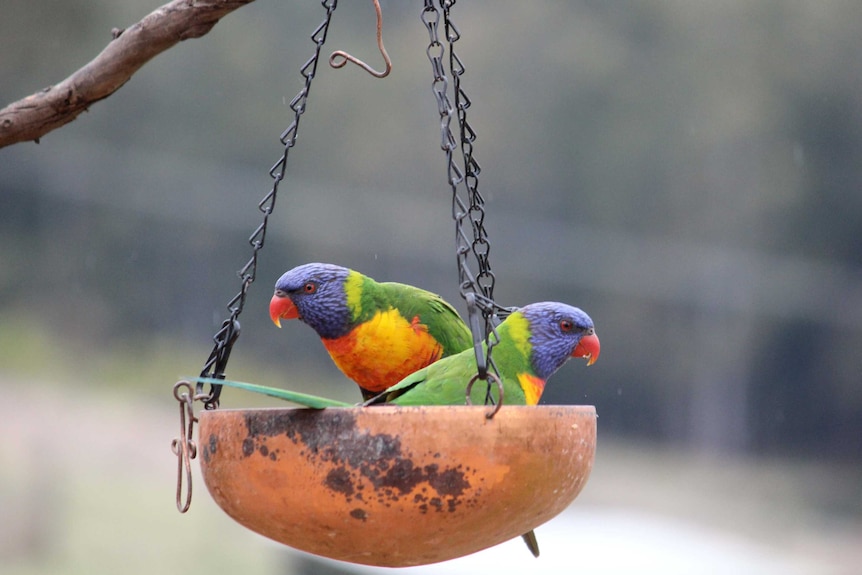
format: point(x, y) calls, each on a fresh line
point(353, 291)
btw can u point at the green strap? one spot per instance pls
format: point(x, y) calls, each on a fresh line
point(292, 396)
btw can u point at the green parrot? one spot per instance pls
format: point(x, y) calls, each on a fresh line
point(534, 342)
point(376, 333)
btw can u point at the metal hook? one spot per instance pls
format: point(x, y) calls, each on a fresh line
point(184, 446)
point(335, 62)
point(499, 403)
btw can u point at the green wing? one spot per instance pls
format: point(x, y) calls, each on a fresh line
point(445, 382)
point(444, 323)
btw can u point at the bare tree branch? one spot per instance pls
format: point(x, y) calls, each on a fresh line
point(55, 106)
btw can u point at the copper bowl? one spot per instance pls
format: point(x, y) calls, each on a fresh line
point(396, 486)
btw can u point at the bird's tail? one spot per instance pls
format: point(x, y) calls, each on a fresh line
point(532, 543)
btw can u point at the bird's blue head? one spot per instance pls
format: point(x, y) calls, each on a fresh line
point(315, 294)
point(558, 332)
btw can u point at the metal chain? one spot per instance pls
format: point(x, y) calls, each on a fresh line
point(184, 446)
point(226, 336)
point(480, 247)
point(477, 290)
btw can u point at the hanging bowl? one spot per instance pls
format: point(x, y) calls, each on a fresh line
point(396, 486)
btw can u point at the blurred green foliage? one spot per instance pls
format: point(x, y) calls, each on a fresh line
point(688, 173)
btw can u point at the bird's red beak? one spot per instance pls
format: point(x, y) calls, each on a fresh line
point(588, 347)
point(281, 307)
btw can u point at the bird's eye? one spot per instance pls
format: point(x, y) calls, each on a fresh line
point(310, 287)
point(566, 325)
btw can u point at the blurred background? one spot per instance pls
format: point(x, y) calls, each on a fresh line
point(690, 174)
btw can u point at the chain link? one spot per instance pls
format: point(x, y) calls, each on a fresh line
point(468, 207)
point(226, 336)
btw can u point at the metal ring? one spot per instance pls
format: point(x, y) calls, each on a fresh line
point(498, 405)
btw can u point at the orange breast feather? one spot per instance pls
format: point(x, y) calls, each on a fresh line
point(533, 387)
point(382, 351)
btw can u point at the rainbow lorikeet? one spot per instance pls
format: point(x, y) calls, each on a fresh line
point(534, 342)
point(376, 333)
